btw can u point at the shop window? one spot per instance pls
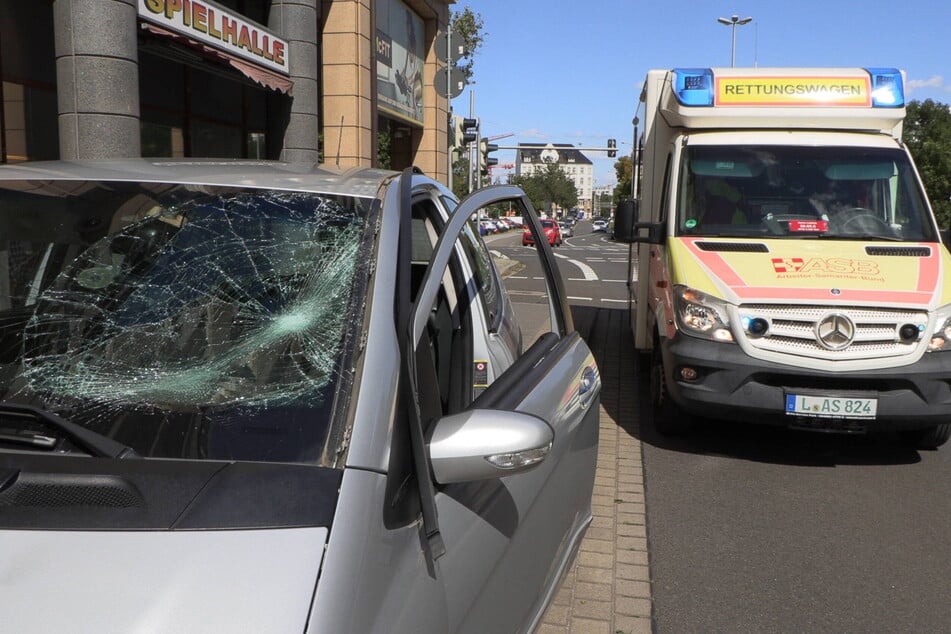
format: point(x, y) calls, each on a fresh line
point(29, 129)
point(257, 146)
point(213, 140)
point(160, 140)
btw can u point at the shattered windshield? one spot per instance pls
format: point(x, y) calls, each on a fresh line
point(184, 322)
point(841, 193)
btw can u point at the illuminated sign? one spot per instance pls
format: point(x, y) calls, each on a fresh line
point(220, 28)
point(793, 91)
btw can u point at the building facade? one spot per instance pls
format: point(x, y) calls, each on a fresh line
point(348, 82)
point(532, 157)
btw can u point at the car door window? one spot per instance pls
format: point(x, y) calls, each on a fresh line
point(449, 328)
point(484, 275)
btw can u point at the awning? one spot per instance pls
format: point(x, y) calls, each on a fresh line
point(255, 73)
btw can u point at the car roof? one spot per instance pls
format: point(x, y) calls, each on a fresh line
point(310, 177)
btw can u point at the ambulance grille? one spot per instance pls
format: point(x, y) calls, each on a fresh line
point(792, 330)
point(915, 252)
point(735, 247)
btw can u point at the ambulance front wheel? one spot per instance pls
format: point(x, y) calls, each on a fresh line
point(930, 438)
point(668, 418)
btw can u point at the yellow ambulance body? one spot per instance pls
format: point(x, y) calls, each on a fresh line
point(788, 268)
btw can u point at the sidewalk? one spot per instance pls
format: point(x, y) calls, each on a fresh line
point(608, 589)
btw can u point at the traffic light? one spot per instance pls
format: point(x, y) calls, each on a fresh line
point(465, 131)
point(486, 148)
point(612, 144)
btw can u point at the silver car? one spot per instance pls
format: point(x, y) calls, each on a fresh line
point(261, 397)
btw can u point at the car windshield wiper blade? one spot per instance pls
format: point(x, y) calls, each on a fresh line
point(867, 237)
point(93, 443)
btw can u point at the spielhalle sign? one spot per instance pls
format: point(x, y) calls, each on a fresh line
point(219, 28)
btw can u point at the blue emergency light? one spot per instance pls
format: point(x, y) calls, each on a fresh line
point(693, 86)
point(887, 88)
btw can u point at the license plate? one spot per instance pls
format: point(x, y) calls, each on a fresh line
point(831, 406)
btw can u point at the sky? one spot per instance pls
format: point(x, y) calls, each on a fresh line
point(570, 71)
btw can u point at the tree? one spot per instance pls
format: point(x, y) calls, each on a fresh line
point(460, 177)
point(468, 25)
point(927, 133)
point(625, 173)
point(547, 187)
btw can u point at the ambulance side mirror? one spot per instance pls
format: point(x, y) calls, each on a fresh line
point(625, 217)
point(627, 224)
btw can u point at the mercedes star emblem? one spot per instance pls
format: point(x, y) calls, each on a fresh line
point(835, 331)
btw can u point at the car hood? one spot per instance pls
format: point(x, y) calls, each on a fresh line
point(830, 271)
point(158, 581)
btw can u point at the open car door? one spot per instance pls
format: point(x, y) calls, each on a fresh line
point(506, 483)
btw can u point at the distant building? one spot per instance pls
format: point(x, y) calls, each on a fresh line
point(603, 200)
point(532, 157)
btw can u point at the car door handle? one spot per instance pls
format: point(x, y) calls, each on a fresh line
point(586, 387)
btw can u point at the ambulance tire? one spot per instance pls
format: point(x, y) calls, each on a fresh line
point(666, 415)
point(930, 438)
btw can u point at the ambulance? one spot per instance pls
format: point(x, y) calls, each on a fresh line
point(787, 268)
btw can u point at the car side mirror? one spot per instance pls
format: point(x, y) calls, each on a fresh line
point(487, 444)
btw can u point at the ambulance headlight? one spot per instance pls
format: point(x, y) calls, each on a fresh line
point(701, 315)
point(941, 338)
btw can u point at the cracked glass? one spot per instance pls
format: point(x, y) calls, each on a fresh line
point(184, 322)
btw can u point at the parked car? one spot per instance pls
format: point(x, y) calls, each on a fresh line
point(262, 397)
point(566, 229)
point(488, 226)
point(552, 233)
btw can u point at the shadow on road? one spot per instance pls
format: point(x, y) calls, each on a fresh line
point(624, 394)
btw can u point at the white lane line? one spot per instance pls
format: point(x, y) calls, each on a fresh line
point(584, 299)
point(616, 301)
point(587, 271)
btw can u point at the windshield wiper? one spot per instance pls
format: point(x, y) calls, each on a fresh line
point(860, 236)
point(91, 442)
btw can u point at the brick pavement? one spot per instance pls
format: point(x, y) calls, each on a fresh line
point(608, 589)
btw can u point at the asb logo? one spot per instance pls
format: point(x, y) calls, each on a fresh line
point(825, 265)
point(787, 265)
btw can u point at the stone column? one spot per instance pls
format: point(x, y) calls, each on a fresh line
point(296, 22)
point(97, 78)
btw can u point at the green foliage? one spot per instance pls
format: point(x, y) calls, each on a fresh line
point(460, 177)
point(384, 147)
point(927, 133)
point(624, 168)
point(547, 187)
point(468, 25)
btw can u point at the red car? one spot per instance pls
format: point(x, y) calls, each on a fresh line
point(551, 229)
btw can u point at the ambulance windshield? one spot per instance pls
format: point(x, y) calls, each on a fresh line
point(847, 193)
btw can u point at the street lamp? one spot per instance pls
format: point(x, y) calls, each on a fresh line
point(734, 21)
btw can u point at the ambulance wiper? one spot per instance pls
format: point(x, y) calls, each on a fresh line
point(860, 236)
point(91, 442)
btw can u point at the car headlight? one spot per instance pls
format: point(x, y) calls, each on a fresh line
point(701, 315)
point(941, 338)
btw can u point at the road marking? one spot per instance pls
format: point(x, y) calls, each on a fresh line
point(585, 299)
point(587, 271)
point(616, 301)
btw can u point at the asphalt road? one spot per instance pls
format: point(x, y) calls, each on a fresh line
point(754, 529)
